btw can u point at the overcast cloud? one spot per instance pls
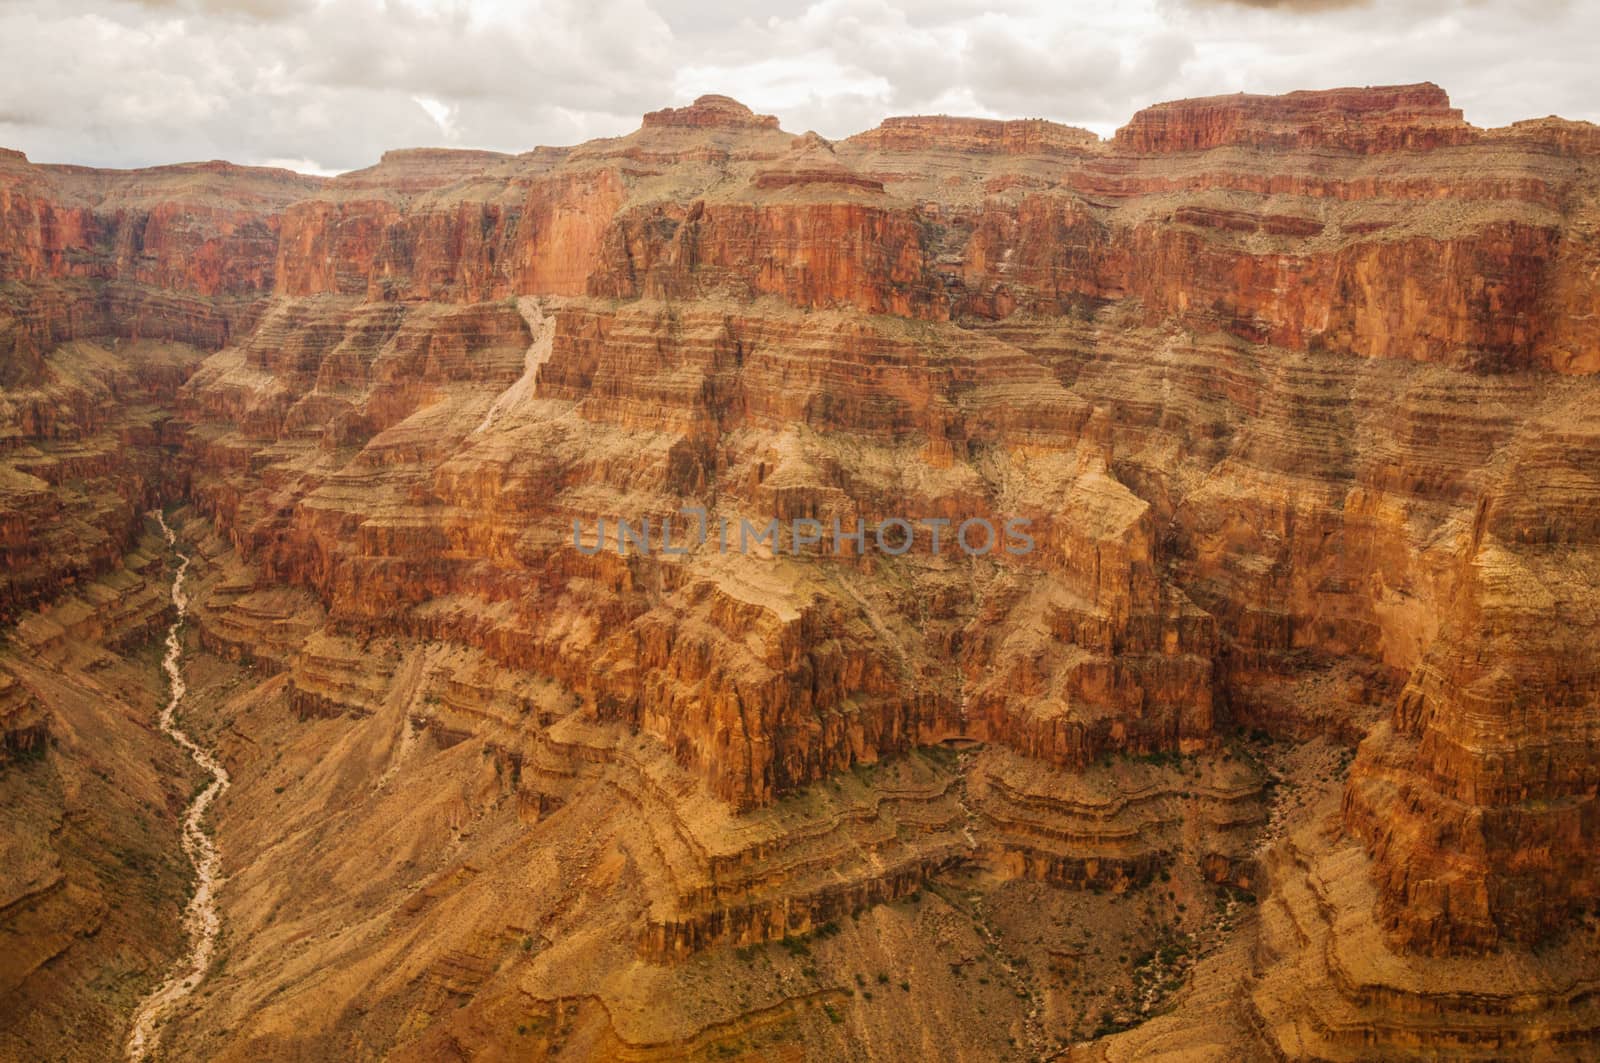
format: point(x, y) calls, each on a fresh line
point(328, 86)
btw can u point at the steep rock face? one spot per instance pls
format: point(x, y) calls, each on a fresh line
point(1475, 299)
point(814, 254)
point(84, 451)
point(1496, 283)
point(205, 228)
point(1119, 661)
point(1405, 117)
point(545, 240)
point(38, 231)
point(1479, 795)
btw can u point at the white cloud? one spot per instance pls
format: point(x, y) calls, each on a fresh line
point(443, 115)
point(310, 166)
point(333, 84)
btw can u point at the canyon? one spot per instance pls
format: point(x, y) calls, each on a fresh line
point(1283, 743)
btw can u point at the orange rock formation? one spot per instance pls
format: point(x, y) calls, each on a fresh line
point(1297, 392)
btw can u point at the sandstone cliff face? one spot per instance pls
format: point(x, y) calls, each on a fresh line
point(1296, 393)
point(205, 228)
point(1405, 117)
point(1478, 796)
point(85, 449)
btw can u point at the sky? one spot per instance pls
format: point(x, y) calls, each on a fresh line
point(324, 86)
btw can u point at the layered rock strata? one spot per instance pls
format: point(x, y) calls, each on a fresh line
point(1295, 395)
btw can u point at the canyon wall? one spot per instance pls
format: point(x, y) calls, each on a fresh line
point(1297, 396)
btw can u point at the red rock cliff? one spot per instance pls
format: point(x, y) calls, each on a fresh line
point(1278, 379)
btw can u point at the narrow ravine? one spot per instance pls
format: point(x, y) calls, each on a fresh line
point(1023, 985)
point(200, 920)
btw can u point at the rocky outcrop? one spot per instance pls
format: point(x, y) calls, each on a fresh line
point(981, 136)
point(1477, 796)
point(1330, 987)
point(1369, 120)
point(710, 112)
